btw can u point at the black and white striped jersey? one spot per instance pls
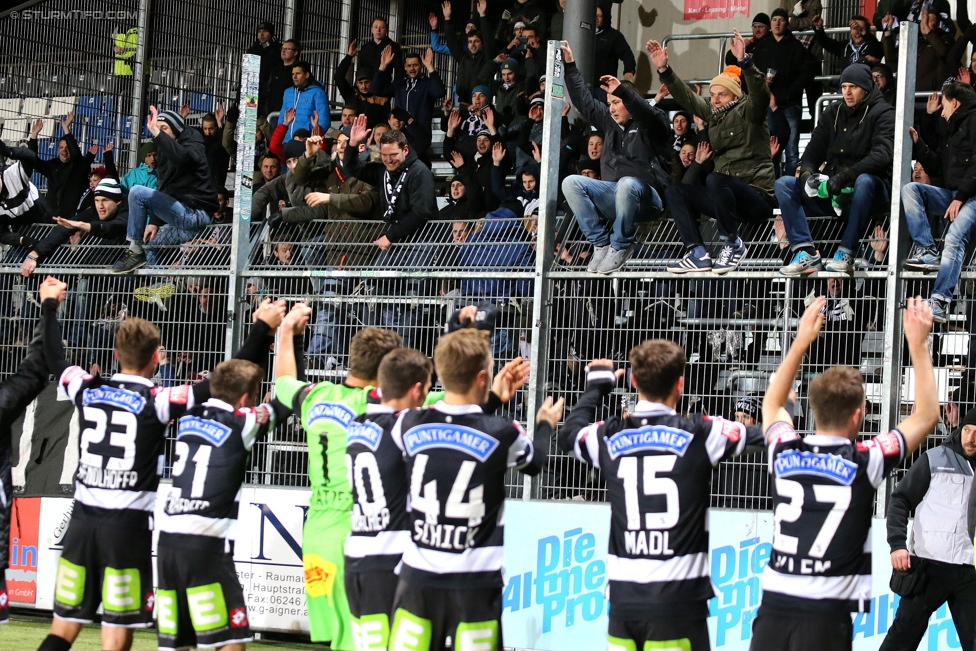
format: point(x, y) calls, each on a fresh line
point(823, 501)
point(658, 468)
point(213, 445)
point(123, 421)
point(380, 486)
point(17, 194)
point(457, 458)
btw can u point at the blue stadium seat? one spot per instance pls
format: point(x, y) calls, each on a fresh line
point(99, 129)
point(201, 103)
point(90, 105)
point(125, 127)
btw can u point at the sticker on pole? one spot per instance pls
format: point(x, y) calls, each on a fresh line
point(558, 92)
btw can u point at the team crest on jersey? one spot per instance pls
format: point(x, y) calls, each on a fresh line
point(650, 437)
point(828, 466)
point(453, 437)
point(368, 434)
point(339, 414)
point(114, 397)
point(216, 433)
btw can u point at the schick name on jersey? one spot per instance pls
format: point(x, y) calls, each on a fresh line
point(829, 466)
point(338, 414)
point(210, 430)
point(455, 437)
point(369, 434)
point(116, 397)
point(651, 437)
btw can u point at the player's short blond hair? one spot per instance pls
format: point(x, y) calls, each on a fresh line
point(460, 356)
point(136, 341)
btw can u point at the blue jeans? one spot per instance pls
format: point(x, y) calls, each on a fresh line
point(182, 223)
point(920, 201)
point(608, 212)
point(870, 196)
point(791, 148)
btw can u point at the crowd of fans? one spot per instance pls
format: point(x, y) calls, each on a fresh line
point(729, 151)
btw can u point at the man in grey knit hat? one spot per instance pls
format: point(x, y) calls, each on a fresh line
point(185, 197)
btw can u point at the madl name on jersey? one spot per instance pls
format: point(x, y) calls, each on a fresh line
point(454, 437)
point(652, 437)
point(369, 434)
point(115, 397)
point(338, 414)
point(216, 433)
point(828, 466)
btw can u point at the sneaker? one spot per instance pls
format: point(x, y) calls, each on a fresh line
point(729, 258)
point(923, 259)
point(842, 263)
point(615, 259)
point(129, 263)
point(691, 263)
point(599, 253)
point(156, 294)
point(940, 309)
point(802, 264)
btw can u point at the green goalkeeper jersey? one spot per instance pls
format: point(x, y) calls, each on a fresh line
point(326, 410)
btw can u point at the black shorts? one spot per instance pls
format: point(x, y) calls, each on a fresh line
point(199, 602)
point(776, 629)
point(449, 619)
point(370, 596)
point(105, 564)
point(684, 634)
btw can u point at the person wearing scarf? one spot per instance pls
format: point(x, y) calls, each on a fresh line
point(852, 146)
point(741, 187)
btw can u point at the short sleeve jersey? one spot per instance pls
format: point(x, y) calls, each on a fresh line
point(378, 476)
point(213, 444)
point(823, 501)
point(123, 423)
point(457, 458)
point(658, 468)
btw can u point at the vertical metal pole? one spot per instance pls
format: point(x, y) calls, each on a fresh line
point(898, 245)
point(546, 240)
point(240, 247)
point(579, 30)
point(138, 66)
point(288, 23)
point(394, 21)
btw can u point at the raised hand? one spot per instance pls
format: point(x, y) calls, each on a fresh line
point(315, 119)
point(879, 242)
point(432, 19)
point(489, 116)
point(774, 146)
point(913, 133)
point(704, 152)
point(359, 132)
point(609, 84)
point(150, 121)
point(428, 60)
point(497, 153)
point(354, 46)
point(313, 144)
point(817, 22)
point(184, 111)
point(566, 50)
point(289, 116)
point(271, 312)
point(53, 288)
point(36, 127)
point(933, 104)
point(446, 9)
point(66, 121)
point(662, 92)
point(109, 146)
point(811, 322)
point(93, 150)
point(482, 7)
point(219, 114)
point(738, 45)
point(963, 75)
point(917, 320)
point(658, 54)
point(386, 57)
point(510, 379)
point(457, 160)
point(453, 122)
point(551, 412)
point(536, 152)
point(297, 319)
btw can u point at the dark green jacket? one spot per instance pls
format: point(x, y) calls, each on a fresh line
point(739, 136)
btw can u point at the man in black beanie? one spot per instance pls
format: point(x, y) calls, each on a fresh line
point(853, 147)
point(938, 489)
point(185, 199)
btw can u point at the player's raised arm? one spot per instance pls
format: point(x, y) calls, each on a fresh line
point(266, 320)
point(781, 383)
point(52, 292)
point(917, 324)
point(601, 378)
point(293, 324)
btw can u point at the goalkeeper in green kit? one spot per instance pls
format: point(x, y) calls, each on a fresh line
point(326, 410)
